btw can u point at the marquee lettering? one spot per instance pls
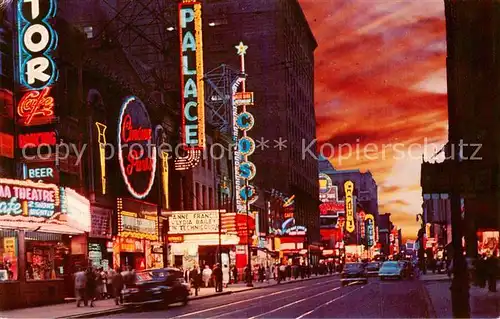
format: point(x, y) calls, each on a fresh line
point(130, 134)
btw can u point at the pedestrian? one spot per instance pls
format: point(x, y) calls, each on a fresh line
point(117, 286)
point(235, 274)
point(225, 276)
point(248, 274)
point(207, 275)
point(80, 284)
point(100, 284)
point(261, 273)
point(218, 278)
point(492, 271)
point(195, 276)
point(91, 286)
point(268, 274)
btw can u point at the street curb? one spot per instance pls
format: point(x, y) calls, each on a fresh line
point(431, 311)
point(124, 309)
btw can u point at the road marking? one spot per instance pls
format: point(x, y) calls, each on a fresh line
point(253, 305)
point(242, 301)
point(294, 303)
point(329, 302)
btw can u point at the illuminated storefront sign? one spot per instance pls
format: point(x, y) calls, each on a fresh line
point(101, 139)
point(327, 191)
point(77, 209)
point(243, 121)
point(175, 239)
point(349, 206)
point(6, 145)
point(137, 161)
point(41, 172)
point(193, 96)
point(194, 222)
point(132, 226)
point(27, 198)
point(370, 230)
point(164, 177)
point(37, 69)
point(296, 231)
point(362, 231)
point(32, 140)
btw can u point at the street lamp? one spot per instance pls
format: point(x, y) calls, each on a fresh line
point(159, 132)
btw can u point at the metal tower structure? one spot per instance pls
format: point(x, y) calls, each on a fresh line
point(218, 97)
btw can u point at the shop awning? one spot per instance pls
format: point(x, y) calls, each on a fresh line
point(41, 227)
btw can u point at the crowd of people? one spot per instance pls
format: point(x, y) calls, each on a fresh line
point(93, 284)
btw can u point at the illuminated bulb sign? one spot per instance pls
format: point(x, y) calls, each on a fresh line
point(24, 198)
point(101, 139)
point(370, 230)
point(137, 163)
point(349, 206)
point(192, 99)
point(37, 69)
point(244, 122)
point(164, 176)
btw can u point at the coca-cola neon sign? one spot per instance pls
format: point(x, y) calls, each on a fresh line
point(136, 153)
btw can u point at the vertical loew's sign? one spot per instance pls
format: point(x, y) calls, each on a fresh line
point(37, 40)
point(192, 99)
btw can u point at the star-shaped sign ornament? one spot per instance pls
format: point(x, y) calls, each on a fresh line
point(242, 49)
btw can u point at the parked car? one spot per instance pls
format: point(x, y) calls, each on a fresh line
point(163, 286)
point(354, 272)
point(390, 269)
point(372, 268)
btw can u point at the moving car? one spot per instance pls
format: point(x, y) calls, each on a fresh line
point(163, 286)
point(372, 268)
point(390, 269)
point(354, 272)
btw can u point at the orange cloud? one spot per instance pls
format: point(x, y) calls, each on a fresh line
point(376, 82)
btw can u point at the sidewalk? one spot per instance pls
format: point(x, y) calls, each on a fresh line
point(104, 307)
point(483, 303)
point(434, 277)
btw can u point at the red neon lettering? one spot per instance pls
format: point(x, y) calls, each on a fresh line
point(35, 139)
point(138, 165)
point(130, 134)
point(36, 104)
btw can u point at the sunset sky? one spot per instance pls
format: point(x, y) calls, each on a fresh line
point(381, 78)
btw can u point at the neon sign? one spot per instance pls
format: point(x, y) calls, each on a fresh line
point(243, 121)
point(137, 164)
point(370, 230)
point(189, 161)
point(36, 139)
point(164, 177)
point(101, 139)
point(349, 206)
point(193, 96)
point(27, 198)
point(36, 107)
point(37, 39)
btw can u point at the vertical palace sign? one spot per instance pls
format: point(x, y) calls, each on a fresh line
point(137, 160)
point(193, 96)
point(37, 70)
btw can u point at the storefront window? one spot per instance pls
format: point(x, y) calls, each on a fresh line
point(46, 256)
point(9, 255)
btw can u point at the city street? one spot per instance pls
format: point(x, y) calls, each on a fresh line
point(388, 299)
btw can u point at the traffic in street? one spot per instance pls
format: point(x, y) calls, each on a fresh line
point(320, 298)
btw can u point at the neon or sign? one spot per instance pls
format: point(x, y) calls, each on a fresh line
point(362, 230)
point(164, 177)
point(77, 208)
point(331, 208)
point(101, 139)
point(193, 96)
point(137, 163)
point(132, 226)
point(27, 198)
point(189, 161)
point(37, 40)
point(194, 222)
point(327, 191)
point(349, 206)
point(296, 231)
point(243, 121)
point(370, 230)
point(6, 145)
point(36, 107)
point(33, 140)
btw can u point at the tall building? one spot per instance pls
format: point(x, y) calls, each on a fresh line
point(385, 228)
point(473, 78)
point(280, 68)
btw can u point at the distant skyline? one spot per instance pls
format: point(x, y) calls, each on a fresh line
point(381, 78)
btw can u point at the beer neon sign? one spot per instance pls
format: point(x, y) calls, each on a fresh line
point(37, 40)
point(349, 206)
point(137, 162)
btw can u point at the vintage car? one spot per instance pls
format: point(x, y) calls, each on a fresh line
point(354, 272)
